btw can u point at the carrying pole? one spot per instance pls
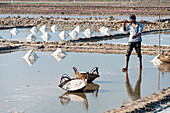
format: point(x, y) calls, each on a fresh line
point(159, 34)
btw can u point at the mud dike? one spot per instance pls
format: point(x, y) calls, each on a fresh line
point(152, 103)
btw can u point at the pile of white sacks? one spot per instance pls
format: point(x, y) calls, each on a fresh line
point(31, 57)
point(63, 34)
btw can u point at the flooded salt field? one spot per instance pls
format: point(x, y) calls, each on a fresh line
point(149, 39)
point(151, 18)
point(34, 88)
point(23, 33)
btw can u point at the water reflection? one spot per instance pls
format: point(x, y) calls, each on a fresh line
point(165, 67)
point(80, 96)
point(92, 88)
point(30, 61)
point(133, 94)
point(74, 97)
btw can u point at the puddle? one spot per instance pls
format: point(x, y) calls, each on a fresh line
point(34, 89)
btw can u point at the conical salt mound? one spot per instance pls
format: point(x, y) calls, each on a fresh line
point(106, 31)
point(101, 29)
point(31, 37)
point(59, 54)
point(31, 57)
point(73, 34)
point(54, 28)
point(14, 31)
point(88, 32)
point(121, 29)
point(46, 36)
point(78, 29)
point(63, 35)
point(34, 30)
point(44, 29)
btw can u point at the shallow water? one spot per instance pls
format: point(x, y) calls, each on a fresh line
point(33, 89)
point(23, 33)
point(78, 16)
point(149, 39)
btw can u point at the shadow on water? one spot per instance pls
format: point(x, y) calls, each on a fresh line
point(133, 94)
point(80, 96)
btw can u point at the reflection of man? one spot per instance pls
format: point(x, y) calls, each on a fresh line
point(133, 95)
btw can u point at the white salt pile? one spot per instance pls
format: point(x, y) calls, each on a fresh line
point(73, 34)
point(44, 29)
point(14, 31)
point(59, 54)
point(54, 28)
point(88, 32)
point(63, 35)
point(31, 37)
point(78, 29)
point(46, 36)
point(34, 30)
point(31, 57)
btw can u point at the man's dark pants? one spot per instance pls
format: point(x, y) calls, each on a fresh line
point(137, 46)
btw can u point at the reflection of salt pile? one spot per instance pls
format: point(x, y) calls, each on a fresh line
point(59, 54)
point(34, 30)
point(73, 85)
point(44, 29)
point(31, 37)
point(46, 36)
point(63, 35)
point(88, 32)
point(157, 61)
point(14, 31)
point(31, 57)
point(78, 29)
point(74, 97)
point(73, 34)
point(54, 28)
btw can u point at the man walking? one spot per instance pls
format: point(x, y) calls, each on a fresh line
point(135, 28)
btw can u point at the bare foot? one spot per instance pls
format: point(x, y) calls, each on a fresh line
point(124, 69)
